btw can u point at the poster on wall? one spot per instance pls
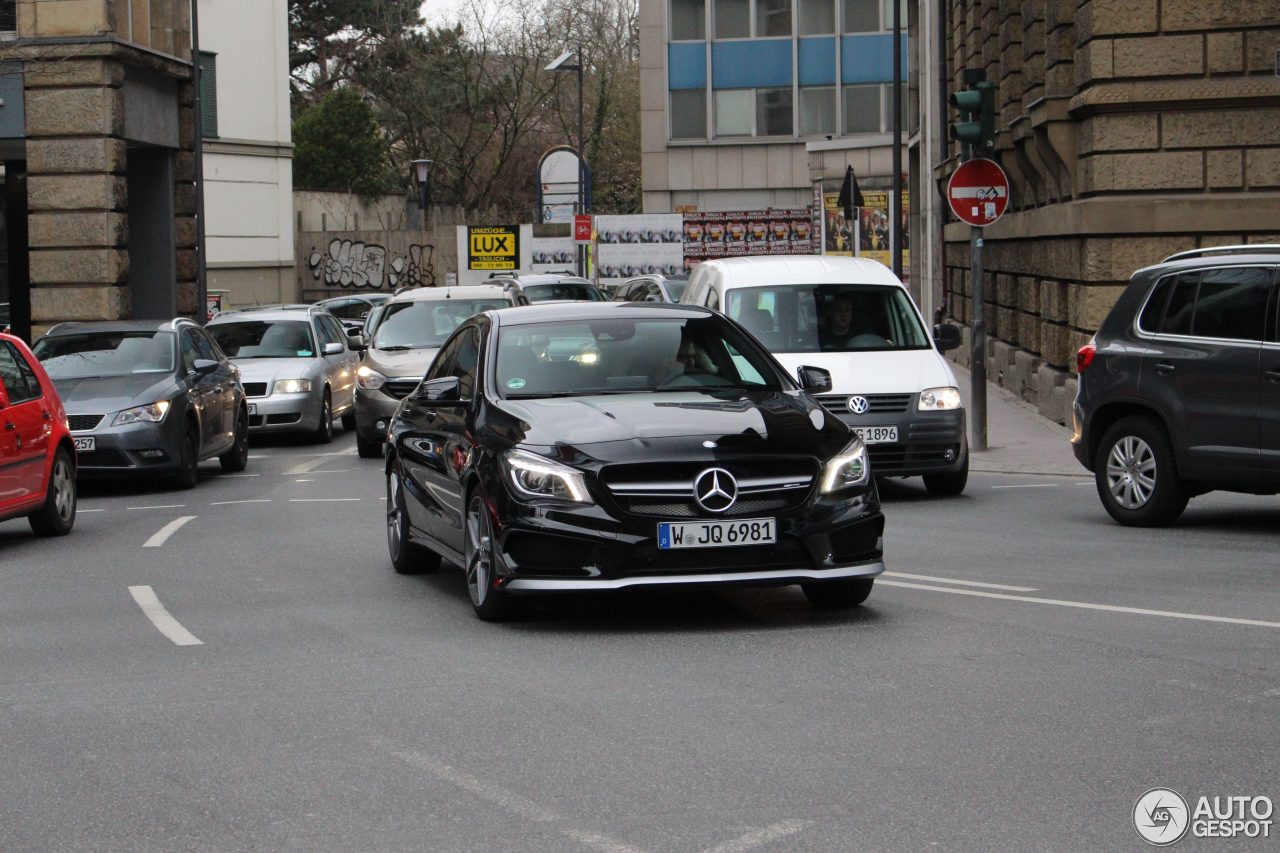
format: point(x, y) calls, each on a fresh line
point(554, 254)
point(839, 235)
point(643, 244)
point(494, 248)
point(874, 232)
point(749, 232)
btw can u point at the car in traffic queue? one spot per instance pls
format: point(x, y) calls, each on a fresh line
point(352, 310)
point(37, 454)
point(558, 287)
point(147, 398)
point(409, 331)
point(297, 364)
point(607, 446)
point(1179, 389)
point(652, 288)
point(855, 319)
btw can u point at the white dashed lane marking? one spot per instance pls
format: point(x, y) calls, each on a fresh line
point(322, 500)
point(248, 501)
point(162, 535)
point(1030, 486)
point(960, 582)
point(161, 506)
point(146, 598)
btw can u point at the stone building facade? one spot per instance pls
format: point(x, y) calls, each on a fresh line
point(96, 134)
point(1130, 129)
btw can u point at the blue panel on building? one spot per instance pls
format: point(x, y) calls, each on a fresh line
point(687, 66)
point(817, 61)
point(751, 64)
point(13, 121)
point(869, 59)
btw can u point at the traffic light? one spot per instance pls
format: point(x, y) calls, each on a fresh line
point(977, 106)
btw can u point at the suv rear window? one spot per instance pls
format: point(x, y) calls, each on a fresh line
point(1228, 303)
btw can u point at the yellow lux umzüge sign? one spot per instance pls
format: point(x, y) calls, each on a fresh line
point(495, 248)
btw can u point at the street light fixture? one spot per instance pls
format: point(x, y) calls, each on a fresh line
point(422, 177)
point(561, 63)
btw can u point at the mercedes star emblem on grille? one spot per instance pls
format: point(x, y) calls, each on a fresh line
point(715, 490)
point(859, 405)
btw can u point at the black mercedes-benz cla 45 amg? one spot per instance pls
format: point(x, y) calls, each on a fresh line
point(603, 446)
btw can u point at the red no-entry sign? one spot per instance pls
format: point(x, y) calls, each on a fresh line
point(978, 192)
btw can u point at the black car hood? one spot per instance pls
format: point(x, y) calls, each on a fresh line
point(629, 426)
point(103, 395)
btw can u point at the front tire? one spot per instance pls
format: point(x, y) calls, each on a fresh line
point(1137, 475)
point(407, 558)
point(237, 458)
point(492, 604)
point(368, 449)
point(188, 473)
point(58, 515)
point(349, 420)
point(838, 594)
point(949, 484)
point(324, 430)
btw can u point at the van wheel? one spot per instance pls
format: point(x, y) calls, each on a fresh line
point(1136, 474)
point(949, 484)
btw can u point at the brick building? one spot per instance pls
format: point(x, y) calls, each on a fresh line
point(1130, 129)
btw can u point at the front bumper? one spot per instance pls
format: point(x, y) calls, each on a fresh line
point(928, 442)
point(136, 449)
point(373, 408)
point(285, 413)
point(542, 549)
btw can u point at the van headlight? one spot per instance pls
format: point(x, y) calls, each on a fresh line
point(534, 476)
point(939, 399)
point(847, 468)
point(152, 413)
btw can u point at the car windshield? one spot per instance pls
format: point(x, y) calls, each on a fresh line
point(97, 354)
point(427, 323)
point(625, 356)
point(575, 290)
point(828, 317)
point(264, 338)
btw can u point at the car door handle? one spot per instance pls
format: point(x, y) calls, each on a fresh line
point(1163, 367)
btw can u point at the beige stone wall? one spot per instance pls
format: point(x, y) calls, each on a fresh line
point(1130, 129)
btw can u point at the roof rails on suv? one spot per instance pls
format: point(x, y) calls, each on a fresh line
point(1246, 249)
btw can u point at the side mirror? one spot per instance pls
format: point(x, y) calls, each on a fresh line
point(446, 389)
point(204, 365)
point(814, 380)
point(946, 336)
point(333, 349)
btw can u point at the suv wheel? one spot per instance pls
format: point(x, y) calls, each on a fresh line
point(1137, 476)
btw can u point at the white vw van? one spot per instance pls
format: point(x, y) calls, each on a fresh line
point(853, 318)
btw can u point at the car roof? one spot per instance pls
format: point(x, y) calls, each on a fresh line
point(552, 278)
point(466, 291)
point(806, 269)
point(554, 312)
point(1216, 256)
point(75, 328)
point(287, 312)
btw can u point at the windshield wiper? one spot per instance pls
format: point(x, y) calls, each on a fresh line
point(397, 348)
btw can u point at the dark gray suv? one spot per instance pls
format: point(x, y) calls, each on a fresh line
point(1180, 388)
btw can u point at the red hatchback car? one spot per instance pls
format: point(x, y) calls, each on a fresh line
point(37, 453)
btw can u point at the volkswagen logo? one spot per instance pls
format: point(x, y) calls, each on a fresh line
point(715, 490)
point(859, 405)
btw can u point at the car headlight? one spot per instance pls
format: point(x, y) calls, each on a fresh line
point(368, 378)
point(152, 413)
point(534, 476)
point(291, 386)
point(847, 468)
point(939, 399)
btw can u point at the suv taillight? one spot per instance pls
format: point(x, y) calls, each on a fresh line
point(1084, 357)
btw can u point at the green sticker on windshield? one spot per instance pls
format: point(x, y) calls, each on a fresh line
point(516, 383)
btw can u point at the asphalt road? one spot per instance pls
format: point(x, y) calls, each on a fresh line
point(1024, 673)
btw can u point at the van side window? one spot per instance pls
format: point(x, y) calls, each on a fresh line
point(713, 300)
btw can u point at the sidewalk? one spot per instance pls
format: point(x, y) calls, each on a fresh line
point(1019, 439)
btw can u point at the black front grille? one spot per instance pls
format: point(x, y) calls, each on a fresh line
point(878, 404)
point(898, 458)
point(79, 423)
point(285, 418)
point(255, 389)
point(764, 485)
point(787, 553)
point(400, 388)
point(667, 508)
point(102, 459)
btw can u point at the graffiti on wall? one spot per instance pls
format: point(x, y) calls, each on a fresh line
point(364, 265)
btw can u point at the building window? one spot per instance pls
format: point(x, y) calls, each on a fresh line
point(689, 114)
point(773, 112)
point(733, 19)
point(688, 20)
point(862, 109)
point(817, 17)
point(735, 112)
point(208, 95)
point(817, 110)
point(888, 14)
point(8, 16)
point(773, 18)
point(862, 16)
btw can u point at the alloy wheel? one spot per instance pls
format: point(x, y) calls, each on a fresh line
point(1131, 472)
point(479, 556)
point(394, 518)
point(64, 489)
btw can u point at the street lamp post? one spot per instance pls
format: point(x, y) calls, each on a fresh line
point(422, 177)
point(561, 63)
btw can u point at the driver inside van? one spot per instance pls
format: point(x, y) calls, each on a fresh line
point(843, 323)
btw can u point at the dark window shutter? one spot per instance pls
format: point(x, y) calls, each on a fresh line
point(209, 95)
point(8, 16)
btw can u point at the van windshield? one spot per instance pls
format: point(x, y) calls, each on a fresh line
point(828, 317)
